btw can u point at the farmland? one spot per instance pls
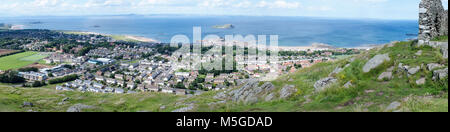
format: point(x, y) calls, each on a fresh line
point(20, 60)
point(7, 51)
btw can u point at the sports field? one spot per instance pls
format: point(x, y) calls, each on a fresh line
point(20, 60)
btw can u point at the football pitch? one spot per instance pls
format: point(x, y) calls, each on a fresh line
point(20, 60)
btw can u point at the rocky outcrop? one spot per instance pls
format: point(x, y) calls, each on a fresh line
point(385, 75)
point(375, 62)
point(249, 93)
point(433, 66)
point(287, 91)
point(433, 20)
point(79, 108)
point(440, 74)
point(325, 83)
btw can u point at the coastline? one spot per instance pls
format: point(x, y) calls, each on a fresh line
point(114, 36)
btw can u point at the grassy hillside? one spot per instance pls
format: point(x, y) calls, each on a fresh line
point(366, 94)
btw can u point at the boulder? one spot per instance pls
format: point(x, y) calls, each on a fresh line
point(440, 74)
point(348, 84)
point(79, 108)
point(433, 66)
point(270, 97)
point(419, 53)
point(421, 81)
point(190, 107)
point(385, 75)
point(287, 91)
point(393, 106)
point(27, 104)
point(249, 93)
point(375, 62)
point(322, 84)
point(413, 70)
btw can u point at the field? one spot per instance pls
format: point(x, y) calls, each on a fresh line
point(6, 51)
point(20, 60)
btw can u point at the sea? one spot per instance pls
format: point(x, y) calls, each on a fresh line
point(291, 31)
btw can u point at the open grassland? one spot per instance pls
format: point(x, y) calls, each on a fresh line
point(20, 60)
point(47, 99)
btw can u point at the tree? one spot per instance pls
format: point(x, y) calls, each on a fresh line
point(11, 77)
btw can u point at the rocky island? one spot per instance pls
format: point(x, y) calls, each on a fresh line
point(226, 26)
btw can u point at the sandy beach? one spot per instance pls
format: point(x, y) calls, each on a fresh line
point(142, 39)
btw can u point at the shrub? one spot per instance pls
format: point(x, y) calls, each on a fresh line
point(63, 79)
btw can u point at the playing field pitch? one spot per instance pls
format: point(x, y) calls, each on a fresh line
point(20, 60)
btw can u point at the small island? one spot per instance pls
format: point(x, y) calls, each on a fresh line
point(226, 26)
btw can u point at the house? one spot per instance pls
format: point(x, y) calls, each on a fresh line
point(108, 90)
point(167, 90)
point(94, 89)
point(134, 65)
point(210, 76)
point(119, 76)
point(33, 76)
point(208, 86)
point(219, 81)
point(98, 85)
point(180, 79)
point(152, 88)
point(180, 91)
point(99, 78)
point(130, 85)
point(141, 87)
point(119, 91)
point(184, 74)
point(167, 78)
point(111, 81)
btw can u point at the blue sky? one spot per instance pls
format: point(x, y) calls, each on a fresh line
point(378, 9)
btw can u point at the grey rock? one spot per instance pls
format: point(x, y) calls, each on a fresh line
point(440, 74)
point(419, 53)
point(385, 75)
point(162, 107)
point(433, 20)
point(413, 70)
point(249, 92)
point(323, 84)
point(190, 107)
point(287, 91)
point(393, 106)
point(375, 62)
point(421, 81)
point(79, 108)
point(348, 84)
point(270, 97)
point(433, 66)
point(27, 104)
point(65, 99)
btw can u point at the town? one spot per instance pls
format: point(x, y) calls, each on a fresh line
point(102, 64)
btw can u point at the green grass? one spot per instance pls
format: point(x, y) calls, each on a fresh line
point(441, 39)
point(46, 100)
point(20, 60)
